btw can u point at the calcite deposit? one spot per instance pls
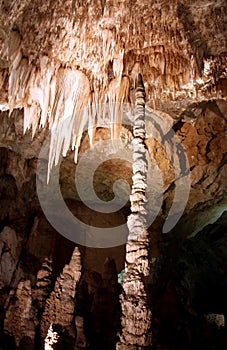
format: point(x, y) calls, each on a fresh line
point(68, 74)
point(136, 315)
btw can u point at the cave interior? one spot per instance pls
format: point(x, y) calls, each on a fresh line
point(93, 93)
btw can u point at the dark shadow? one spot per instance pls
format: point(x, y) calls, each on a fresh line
point(193, 34)
point(7, 342)
point(26, 343)
point(65, 341)
point(191, 109)
point(190, 282)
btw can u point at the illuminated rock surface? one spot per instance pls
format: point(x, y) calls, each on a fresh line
point(68, 66)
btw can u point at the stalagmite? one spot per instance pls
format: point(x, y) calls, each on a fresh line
point(43, 284)
point(59, 309)
point(20, 320)
point(81, 341)
point(51, 339)
point(136, 315)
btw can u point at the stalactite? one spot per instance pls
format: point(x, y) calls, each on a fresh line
point(136, 315)
point(56, 82)
point(117, 94)
point(70, 112)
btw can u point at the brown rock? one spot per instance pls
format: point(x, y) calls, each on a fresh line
point(59, 308)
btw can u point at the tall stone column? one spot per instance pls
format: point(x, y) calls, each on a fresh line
point(136, 315)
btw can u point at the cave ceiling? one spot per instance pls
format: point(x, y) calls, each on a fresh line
point(73, 80)
point(60, 57)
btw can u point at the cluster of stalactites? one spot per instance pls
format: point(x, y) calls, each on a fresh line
point(70, 101)
point(63, 98)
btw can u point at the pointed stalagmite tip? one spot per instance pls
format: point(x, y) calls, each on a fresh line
point(139, 83)
point(140, 89)
point(140, 79)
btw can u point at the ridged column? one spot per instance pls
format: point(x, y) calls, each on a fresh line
point(136, 315)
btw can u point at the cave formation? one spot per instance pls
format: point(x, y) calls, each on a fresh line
point(92, 93)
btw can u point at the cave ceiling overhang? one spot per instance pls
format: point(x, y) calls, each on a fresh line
point(57, 58)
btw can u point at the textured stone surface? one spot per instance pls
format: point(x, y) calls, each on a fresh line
point(70, 65)
point(10, 249)
point(81, 342)
point(59, 307)
point(136, 314)
point(203, 138)
point(57, 57)
point(43, 284)
point(20, 320)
